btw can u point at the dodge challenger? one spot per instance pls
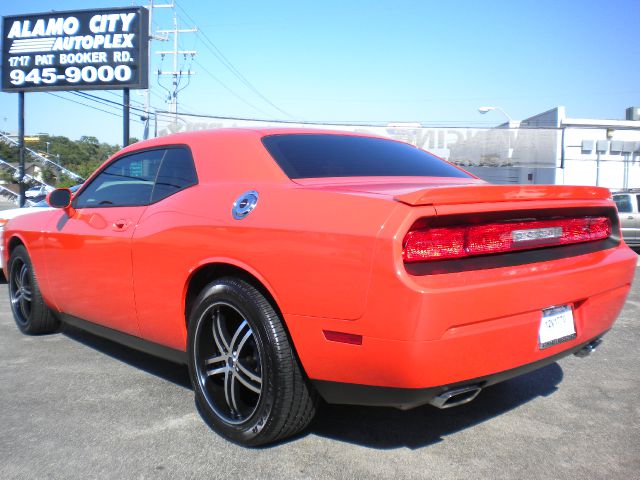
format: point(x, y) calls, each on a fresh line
point(285, 266)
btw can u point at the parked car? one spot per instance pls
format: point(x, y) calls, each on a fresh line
point(39, 191)
point(30, 207)
point(299, 264)
point(628, 203)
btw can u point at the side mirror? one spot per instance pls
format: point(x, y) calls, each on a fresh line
point(59, 198)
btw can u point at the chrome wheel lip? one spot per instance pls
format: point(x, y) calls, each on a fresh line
point(20, 291)
point(226, 364)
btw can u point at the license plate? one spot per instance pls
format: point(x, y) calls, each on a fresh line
point(556, 326)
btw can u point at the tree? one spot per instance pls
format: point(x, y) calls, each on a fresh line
point(81, 156)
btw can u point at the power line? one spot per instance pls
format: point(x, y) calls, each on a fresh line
point(229, 89)
point(105, 101)
point(114, 94)
point(86, 105)
point(227, 63)
point(349, 123)
point(83, 104)
point(176, 74)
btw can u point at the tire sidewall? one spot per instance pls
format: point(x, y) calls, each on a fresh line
point(235, 293)
point(20, 253)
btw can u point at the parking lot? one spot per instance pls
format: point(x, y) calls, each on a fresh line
point(76, 406)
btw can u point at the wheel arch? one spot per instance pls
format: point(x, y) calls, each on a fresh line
point(293, 399)
point(13, 242)
point(209, 271)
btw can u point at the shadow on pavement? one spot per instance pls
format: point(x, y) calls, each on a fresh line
point(388, 428)
point(379, 428)
point(164, 369)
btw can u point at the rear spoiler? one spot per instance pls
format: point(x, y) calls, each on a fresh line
point(451, 195)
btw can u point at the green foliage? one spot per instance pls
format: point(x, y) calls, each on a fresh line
point(66, 182)
point(8, 153)
point(80, 156)
point(49, 175)
point(6, 176)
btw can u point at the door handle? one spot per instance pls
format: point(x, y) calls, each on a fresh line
point(121, 225)
point(630, 217)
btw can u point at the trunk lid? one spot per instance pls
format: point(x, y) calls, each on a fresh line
point(422, 191)
point(451, 195)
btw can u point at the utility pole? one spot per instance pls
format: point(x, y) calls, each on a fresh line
point(152, 36)
point(175, 73)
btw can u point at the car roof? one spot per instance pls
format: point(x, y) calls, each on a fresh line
point(234, 133)
point(234, 154)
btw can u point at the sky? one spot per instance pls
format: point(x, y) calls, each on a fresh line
point(426, 61)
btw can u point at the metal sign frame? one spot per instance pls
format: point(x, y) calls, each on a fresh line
point(103, 49)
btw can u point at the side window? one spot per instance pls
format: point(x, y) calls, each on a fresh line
point(177, 172)
point(638, 197)
point(623, 202)
point(127, 182)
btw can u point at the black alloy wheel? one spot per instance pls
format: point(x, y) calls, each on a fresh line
point(248, 384)
point(31, 314)
point(20, 291)
point(230, 369)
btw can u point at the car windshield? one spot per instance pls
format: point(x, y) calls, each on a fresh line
point(324, 155)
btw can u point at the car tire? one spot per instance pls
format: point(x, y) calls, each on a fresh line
point(248, 383)
point(30, 313)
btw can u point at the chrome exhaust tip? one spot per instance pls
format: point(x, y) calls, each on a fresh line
point(455, 397)
point(589, 348)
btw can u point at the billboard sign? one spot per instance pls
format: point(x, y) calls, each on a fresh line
point(76, 50)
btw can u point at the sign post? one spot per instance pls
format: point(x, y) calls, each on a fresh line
point(21, 198)
point(125, 117)
point(103, 49)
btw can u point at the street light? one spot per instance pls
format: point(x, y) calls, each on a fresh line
point(510, 124)
point(484, 110)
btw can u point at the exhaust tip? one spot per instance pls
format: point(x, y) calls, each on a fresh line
point(589, 348)
point(455, 397)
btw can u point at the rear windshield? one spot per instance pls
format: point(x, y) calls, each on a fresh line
point(323, 155)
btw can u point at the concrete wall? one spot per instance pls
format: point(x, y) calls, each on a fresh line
point(515, 175)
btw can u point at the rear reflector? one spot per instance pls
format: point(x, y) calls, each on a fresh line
point(422, 244)
point(342, 337)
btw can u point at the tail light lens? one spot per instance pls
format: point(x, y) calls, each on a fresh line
point(439, 243)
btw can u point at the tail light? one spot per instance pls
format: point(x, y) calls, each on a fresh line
point(423, 243)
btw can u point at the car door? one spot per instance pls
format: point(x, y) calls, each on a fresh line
point(636, 214)
point(624, 203)
point(160, 260)
point(89, 246)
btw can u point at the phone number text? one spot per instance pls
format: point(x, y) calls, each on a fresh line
point(87, 74)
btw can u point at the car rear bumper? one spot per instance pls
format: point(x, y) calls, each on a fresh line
point(407, 398)
point(436, 336)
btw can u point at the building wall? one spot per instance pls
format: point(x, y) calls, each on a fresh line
point(584, 164)
point(515, 175)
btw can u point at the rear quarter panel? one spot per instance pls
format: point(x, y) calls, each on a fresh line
point(312, 250)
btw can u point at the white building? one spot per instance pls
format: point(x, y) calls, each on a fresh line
point(566, 151)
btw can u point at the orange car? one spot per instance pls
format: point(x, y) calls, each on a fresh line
point(286, 265)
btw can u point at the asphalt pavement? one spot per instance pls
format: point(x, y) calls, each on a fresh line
point(75, 406)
